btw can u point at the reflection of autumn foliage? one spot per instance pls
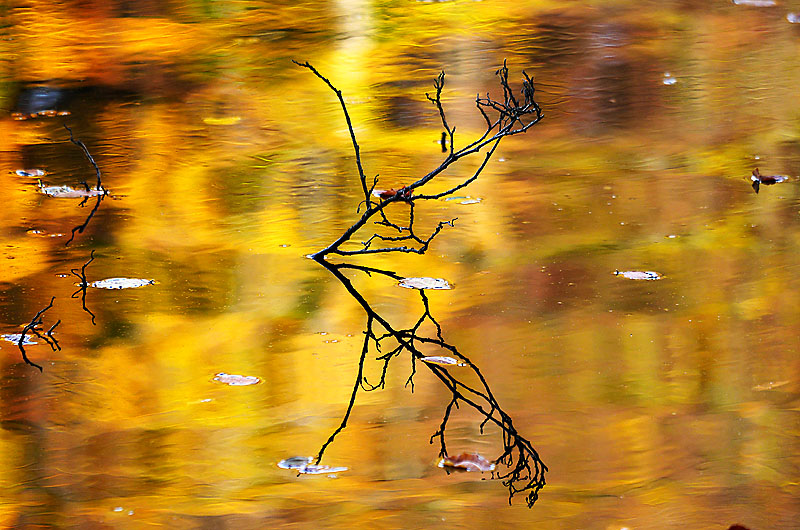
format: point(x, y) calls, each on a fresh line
point(523, 470)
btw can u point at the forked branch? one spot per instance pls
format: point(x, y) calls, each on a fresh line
point(523, 470)
point(506, 117)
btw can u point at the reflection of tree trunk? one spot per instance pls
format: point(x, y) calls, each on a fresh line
point(523, 470)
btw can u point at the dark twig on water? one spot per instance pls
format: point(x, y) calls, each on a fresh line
point(524, 470)
point(86, 152)
point(98, 188)
point(84, 284)
point(508, 117)
point(34, 327)
point(81, 227)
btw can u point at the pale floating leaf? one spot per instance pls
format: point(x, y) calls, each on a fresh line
point(467, 462)
point(231, 120)
point(121, 283)
point(236, 380)
point(639, 275)
point(295, 462)
point(312, 469)
point(303, 465)
point(465, 200)
point(66, 192)
point(769, 386)
point(30, 172)
point(425, 283)
point(756, 3)
point(443, 361)
point(14, 337)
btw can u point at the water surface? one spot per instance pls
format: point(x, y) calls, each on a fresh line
point(655, 404)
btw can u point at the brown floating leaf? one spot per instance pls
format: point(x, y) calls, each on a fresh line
point(236, 380)
point(303, 465)
point(766, 180)
point(443, 361)
point(638, 275)
point(425, 283)
point(467, 462)
point(403, 193)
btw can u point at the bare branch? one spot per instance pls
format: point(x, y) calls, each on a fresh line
point(99, 187)
point(511, 116)
point(361, 176)
point(34, 327)
point(524, 470)
point(83, 285)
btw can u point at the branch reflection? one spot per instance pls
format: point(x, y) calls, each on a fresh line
point(518, 465)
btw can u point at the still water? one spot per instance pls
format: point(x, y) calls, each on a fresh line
point(672, 403)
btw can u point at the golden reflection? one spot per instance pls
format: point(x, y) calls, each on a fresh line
point(654, 404)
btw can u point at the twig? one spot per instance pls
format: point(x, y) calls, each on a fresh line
point(33, 326)
point(511, 116)
point(362, 177)
point(81, 275)
point(80, 228)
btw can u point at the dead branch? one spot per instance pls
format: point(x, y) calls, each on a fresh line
point(34, 327)
point(524, 469)
point(99, 187)
point(504, 118)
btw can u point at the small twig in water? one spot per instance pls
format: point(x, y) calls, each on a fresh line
point(33, 326)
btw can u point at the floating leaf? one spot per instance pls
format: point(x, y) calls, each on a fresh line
point(756, 3)
point(404, 193)
point(236, 380)
point(295, 462)
point(121, 283)
point(424, 283)
point(30, 172)
point(467, 462)
point(443, 361)
point(14, 337)
point(769, 386)
point(766, 180)
point(312, 469)
point(464, 200)
point(638, 275)
point(232, 120)
point(303, 465)
point(66, 192)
